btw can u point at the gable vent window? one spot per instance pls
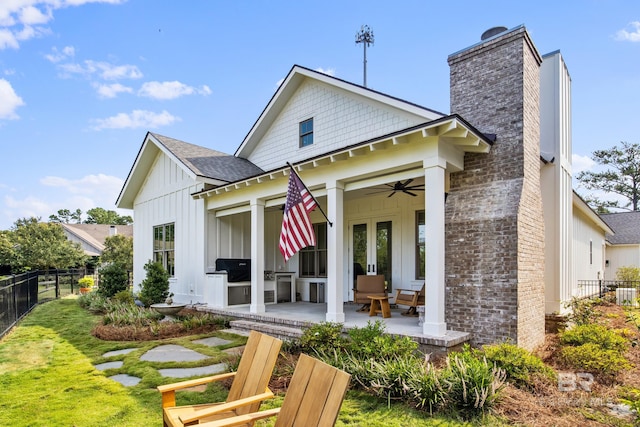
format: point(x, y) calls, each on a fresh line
point(306, 133)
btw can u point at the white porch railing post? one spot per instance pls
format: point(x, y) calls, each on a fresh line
point(335, 253)
point(434, 316)
point(257, 256)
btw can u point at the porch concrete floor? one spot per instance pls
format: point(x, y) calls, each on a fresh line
point(298, 313)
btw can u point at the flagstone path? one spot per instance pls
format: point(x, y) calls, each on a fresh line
point(170, 353)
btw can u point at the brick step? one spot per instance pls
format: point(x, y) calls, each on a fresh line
point(278, 331)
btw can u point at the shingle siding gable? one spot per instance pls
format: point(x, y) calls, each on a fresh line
point(340, 119)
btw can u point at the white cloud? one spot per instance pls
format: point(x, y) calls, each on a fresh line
point(137, 119)
point(112, 90)
point(581, 163)
point(57, 56)
point(632, 36)
point(170, 90)
point(328, 71)
point(104, 70)
point(22, 20)
point(87, 185)
point(9, 101)
point(63, 193)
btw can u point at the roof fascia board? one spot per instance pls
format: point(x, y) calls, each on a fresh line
point(583, 207)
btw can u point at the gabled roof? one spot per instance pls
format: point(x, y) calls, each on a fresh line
point(94, 235)
point(200, 163)
point(582, 206)
point(292, 82)
point(626, 226)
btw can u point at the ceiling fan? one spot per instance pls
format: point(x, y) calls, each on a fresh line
point(403, 187)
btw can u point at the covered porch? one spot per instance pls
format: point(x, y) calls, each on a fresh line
point(243, 221)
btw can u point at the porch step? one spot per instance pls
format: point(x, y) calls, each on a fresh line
point(276, 330)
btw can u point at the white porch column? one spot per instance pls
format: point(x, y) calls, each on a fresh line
point(257, 256)
point(434, 178)
point(335, 253)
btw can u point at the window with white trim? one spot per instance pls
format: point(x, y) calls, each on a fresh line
point(164, 246)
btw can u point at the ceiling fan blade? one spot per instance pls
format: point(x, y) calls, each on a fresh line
point(392, 193)
point(407, 182)
point(415, 188)
point(410, 193)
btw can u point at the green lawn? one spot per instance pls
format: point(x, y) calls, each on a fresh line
point(47, 378)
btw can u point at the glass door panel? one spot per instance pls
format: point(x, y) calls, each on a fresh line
point(371, 244)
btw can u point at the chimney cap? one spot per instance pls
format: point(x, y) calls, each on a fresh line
point(492, 32)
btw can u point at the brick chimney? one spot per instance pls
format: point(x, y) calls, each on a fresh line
point(494, 225)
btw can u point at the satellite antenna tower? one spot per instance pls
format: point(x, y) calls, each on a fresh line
point(365, 36)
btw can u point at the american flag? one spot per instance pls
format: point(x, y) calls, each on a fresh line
point(297, 230)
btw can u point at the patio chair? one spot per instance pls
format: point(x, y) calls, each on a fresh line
point(368, 286)
point(248, 389)
point(314, 398)
point(411, 298)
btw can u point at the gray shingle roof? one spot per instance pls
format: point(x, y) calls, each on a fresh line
point(209, 163)
point(626, 225)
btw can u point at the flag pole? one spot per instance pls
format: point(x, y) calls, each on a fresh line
point(308, 191)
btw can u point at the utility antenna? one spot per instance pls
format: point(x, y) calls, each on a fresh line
point(365, 36)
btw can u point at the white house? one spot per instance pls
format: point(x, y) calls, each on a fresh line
point(467, 202)
point(623, 245)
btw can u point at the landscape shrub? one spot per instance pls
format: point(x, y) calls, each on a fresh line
point(390, 376)
point(94, 302)
point(119, 314)
point(124, 297)
point(322, 338)
point(426, 391)
point(520, 366)
point(113, 279)
point(472, 385)
point(371, 341)
point(593, 358)
point(155, 286)
point(582, 311)
point(600, 335)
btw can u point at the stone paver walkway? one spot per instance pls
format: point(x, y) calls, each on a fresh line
point(169, 353)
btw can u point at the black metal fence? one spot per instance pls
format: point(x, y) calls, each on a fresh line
point(20, 293)
point(622, 290)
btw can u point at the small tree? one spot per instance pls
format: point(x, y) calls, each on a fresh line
point(629, 273)
point(155, 287)
point(113, 279)
point(118, 249)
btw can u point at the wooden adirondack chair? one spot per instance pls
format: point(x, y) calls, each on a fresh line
point(367, 286)
point(248, 390)
point(313, 398)
point(410, 298)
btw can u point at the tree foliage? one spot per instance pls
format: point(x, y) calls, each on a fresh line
point(113, 279)
point(155, 287)
point(103, 216)
point(621, 177)
point(32, 245)
point(67, 217)
point(118, 249)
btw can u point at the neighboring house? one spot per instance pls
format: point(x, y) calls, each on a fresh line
point(91, 237)
point(471, 225)
point(623, 247)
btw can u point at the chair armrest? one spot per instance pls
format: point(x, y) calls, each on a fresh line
point(224, 407)
point(192, 383)
point(169, 390)
point(242, 419)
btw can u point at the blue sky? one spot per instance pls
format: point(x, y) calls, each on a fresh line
point(82, 81)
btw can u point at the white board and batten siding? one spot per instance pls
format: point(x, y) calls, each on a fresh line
point(165, 198)
point(588, 251)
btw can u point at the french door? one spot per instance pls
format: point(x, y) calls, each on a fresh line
point(371, 247)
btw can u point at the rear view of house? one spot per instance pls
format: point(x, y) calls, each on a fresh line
point(452, 201)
